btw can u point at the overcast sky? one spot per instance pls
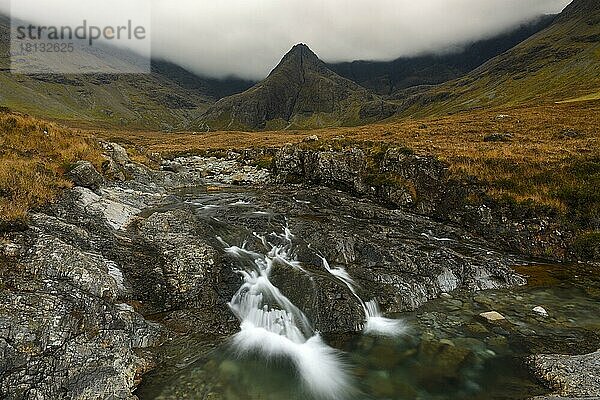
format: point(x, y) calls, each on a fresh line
point(248, 37)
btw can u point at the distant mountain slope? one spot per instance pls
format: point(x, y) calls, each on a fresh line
point(301, 92)
point(212, 87)
point(133, 101)
point(387, 77)
point(168, 99)
point(560, 63)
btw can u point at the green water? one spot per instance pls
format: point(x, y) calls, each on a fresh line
point(448, 353)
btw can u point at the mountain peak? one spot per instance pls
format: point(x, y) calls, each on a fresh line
point(302, 92)
point(302, 54)
point(300, 46)
point(580, 9)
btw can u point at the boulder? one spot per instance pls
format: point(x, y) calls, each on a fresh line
point(498, 137)
point(540, 311)
point(570, 376)
point(118, 154)
point(84, 174)
point(492, 316)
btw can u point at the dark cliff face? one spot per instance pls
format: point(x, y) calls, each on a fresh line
point(300, 87)
point(388, 77)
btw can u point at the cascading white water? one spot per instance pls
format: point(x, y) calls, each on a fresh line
point(378, 325)
point(272, 325)
point(375, 323)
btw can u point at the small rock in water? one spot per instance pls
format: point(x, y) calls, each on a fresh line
point(477, 328)
point(540, 311)
point(492, 316)
point(448, 342)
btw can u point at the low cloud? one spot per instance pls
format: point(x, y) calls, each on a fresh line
point(247, 38)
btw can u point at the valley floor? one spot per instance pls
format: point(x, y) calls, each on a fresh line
point(522, 151)
point(544, 157)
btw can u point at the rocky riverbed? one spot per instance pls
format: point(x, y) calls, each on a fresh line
point(118, 267)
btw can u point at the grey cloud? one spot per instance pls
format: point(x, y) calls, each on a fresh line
point(248, 37)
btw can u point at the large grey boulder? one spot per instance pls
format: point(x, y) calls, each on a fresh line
point(75, 286)
point(64, 329)
point(84, 174)
point(575, 377)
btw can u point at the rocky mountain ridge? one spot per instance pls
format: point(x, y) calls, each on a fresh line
point(300, 92)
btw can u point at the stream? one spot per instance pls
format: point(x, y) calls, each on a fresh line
point(311, 262)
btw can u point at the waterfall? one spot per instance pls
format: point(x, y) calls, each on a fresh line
point(273, 326)
point(375, 323)
point(378, 325)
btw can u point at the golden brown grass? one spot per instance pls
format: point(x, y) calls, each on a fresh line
point(536, 164)
point(552, 157)
point(34, 156)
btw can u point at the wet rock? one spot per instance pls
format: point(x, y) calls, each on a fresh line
point(173, 166)
point(189, 263)
point(83, 173)
point(569, 376)
point(541, 311)
point(484, 300)
point(492, 316)
point(117, 215)
point(229, 171)
point(439, 359)
point(380, 384)
point(396, 178)
point(454, 305)
point(477, 328)
point(498, 343)
point(74, 286)
point(63, 329)
point(498, 330)
point(385, 358)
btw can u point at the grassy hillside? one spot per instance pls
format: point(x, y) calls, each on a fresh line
point(134, 101)
point(387, 77)
point(34, 157)
point(560, 63)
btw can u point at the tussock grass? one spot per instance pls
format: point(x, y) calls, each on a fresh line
point(34, 157)
point(549, 160)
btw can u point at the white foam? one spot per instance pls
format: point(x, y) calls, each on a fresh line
point(321, 367)
point(241, 203)
point(273, 326)
point(380, 326)
point(377, 325)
